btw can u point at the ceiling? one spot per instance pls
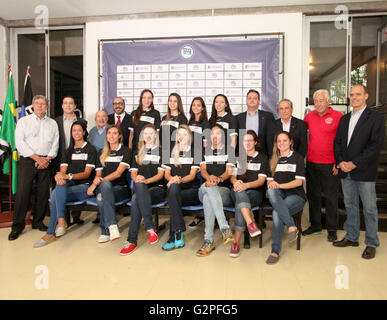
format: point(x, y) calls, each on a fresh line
point(25, 9)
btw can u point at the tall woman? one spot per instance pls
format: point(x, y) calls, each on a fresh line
point(143, 115)
point(285, 190)
point(221, 114)
point(215, 192)
point(180, 172)
point(110, 184)
point(146, 173)
point(72, 181)
point(248, 187)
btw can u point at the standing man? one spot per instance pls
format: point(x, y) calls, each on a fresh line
point(321, 172)
point(37, 142)
point(296, 127)
point(64, 124)
point(97, 134)
point(258, 120)
point(358, 141)
point(121, 118)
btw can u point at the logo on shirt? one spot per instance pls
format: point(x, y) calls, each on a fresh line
point(329, 120)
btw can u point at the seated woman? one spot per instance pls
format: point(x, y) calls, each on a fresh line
point(146, 173)
point(183, 186)
point(72, 181)
point(248, 182)
point(110, 184)
point(285, 190)
point(215, 192)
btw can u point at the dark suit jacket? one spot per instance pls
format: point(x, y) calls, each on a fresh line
point(298, 131)
point(364, 147)
point(125, 124)
point(266, 120)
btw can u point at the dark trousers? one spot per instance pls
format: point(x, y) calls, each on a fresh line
point(178, 197)
point(26, 173)
point(142, 201)
point(319, 179)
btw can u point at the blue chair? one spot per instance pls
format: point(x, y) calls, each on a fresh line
point(93, 202)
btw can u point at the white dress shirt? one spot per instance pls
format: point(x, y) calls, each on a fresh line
point(353, 121)
point(67, 123)
point(122, 115)
point(37, 136)
point(286, 126)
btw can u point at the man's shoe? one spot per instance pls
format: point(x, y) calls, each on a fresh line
point(40, 226)
point(14, 235)
point(332, 236)
point(311, 230)
point(345, 243)
point(369, 253)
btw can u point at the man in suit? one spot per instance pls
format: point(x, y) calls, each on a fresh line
point(358, 141)
point(65, 122)
point(121, 118)
point(296, 127)
point(258, 120)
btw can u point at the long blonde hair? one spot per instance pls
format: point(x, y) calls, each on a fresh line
point(106, 148)
point(176, 148)
point(141, 145)
point(276, 153)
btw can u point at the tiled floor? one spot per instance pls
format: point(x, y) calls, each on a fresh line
point(80, 268)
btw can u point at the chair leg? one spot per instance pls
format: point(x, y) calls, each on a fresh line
point(299, 217)
point(157, 220)
point(260, 226)
point(247, 240)
point(68, 216)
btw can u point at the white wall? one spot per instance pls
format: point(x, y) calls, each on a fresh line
point(290, 24)
point(3, 66)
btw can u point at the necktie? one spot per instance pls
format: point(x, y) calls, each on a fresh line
point(118, 121)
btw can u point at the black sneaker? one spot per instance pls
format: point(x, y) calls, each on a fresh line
point(311, 230)
point(194, 224)
point(332, 236)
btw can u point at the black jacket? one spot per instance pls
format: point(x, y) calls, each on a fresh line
point(298, 131)
point(363, 149)
point(125, 124)
point(266, 120)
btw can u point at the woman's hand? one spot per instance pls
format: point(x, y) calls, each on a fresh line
point(273, 185)
point(140, 179)
point(174, 179)
point(90, 191)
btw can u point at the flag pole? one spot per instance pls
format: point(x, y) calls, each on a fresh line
point(10, 163)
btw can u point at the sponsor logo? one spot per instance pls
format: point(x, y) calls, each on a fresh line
point(187, 52)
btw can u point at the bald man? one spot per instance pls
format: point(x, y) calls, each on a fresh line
point(97, 134)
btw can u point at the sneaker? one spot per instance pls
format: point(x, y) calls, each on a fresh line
point(114, 232)
point(272, 259)
point(332, 236)
point(206, 249)
point(234, 252)
point(311, 230)
point(194, 224)
point(253, 229)
point(169, 245)
point(179, 239)
point(103, 238)
point(152, 235)
point(128, 248)
point(227, 235)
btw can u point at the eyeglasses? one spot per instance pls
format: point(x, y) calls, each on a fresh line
point(117, 103)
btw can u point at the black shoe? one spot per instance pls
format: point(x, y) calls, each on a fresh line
point(345, 243)
point(96, 221)
point(311, 230)
point(369, 253)
point(40, 226)
point(194, 224)
point(14, 235)
point(332, 236)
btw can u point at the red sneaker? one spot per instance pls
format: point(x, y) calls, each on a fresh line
point(152, 235)
point(234, 252)
point(128, 248)
point(253, 230)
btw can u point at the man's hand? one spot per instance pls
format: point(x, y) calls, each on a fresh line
point(335, 172)
point(347, 166)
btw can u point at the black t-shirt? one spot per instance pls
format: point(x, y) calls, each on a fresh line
point(147, 117)
point(228, 122)
point(288, 169)
point(198, 130)
point(253, 167)
point(169, 128)
point(216, 161)
point(186, 159)
point(150, 166)
point(83, 157)
point(123, 156)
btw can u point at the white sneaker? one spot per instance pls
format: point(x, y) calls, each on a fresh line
point(114, 232)
point(103, 238)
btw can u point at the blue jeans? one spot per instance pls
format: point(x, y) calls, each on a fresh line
point(107, 195)
point(177, 198)
point(244, 199)
point(213, 199)
point(142, 201)
point(285, 205)
point(69, 192)
point(366, 189)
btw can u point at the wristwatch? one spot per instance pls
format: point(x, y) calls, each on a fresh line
point(70, 176)
point(221, 180)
